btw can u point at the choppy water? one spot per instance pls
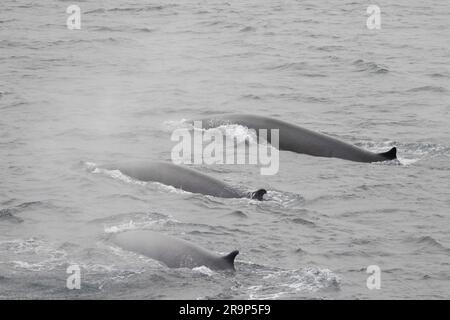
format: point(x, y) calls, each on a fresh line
point(113, 91)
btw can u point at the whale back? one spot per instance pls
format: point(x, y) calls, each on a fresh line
point(301, 140)
point(173, 252)
point(179, 177)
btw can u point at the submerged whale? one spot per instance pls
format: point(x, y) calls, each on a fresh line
point(301, 140)
point(183, 178)
point(173, 252)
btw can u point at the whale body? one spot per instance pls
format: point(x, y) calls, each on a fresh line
point(173, 252)
point(183, 178)
point(297, 139)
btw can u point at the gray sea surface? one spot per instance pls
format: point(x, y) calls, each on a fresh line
point(116, 89)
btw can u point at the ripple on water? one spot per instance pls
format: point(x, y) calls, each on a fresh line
point(32, 254)
point(437, 89)
point(370, 66)
point(407, 153)
point(10, 213)
point(293, 283)
point(426, 243)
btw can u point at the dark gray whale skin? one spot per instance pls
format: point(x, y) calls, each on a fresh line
point(301, 140)
point(173, 252)
point(182, 177)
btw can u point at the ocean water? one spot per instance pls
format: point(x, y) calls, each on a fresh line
point(116, 89)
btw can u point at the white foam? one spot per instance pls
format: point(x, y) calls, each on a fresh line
point(407, 162)
point(25, 251)
point(122, 227)
point(174, 124)
point(255, 294)
point(116, 174)
point(204, 270)
point(285, 199)
point(285, 282)
point(132, 225)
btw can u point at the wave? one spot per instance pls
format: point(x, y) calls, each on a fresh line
point(241, 133)
point(18, 208)
point(315, 75)
point(136, 9)
point(140, 224)
point(275, 284)
point(330, 48)
point(171, 125)
point(438, 75)
point(99, 10)
point(290, 66)
point(135, 216)
point(9, 214)
point(247, 29)
point(32, 254)
point(370, 67)
point(282, 199)
point(73, 42)
point(115, 174)
point(122, 29)
point(8, 43)
point(237, 214)
point(139, 9)
point(106, 28)
point(302, 221)
point(251, 97)
point(274, 200)
point(407, 153)
point(428, 89)
point(144, 29)
point(425, 243)
point(7, 20)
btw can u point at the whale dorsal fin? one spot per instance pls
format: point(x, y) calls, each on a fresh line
point(390, 155)
point(258, 194)
point(230, 257)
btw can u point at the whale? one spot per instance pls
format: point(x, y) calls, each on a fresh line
point(184, 178)
point(171, 251)
point(298, 139)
